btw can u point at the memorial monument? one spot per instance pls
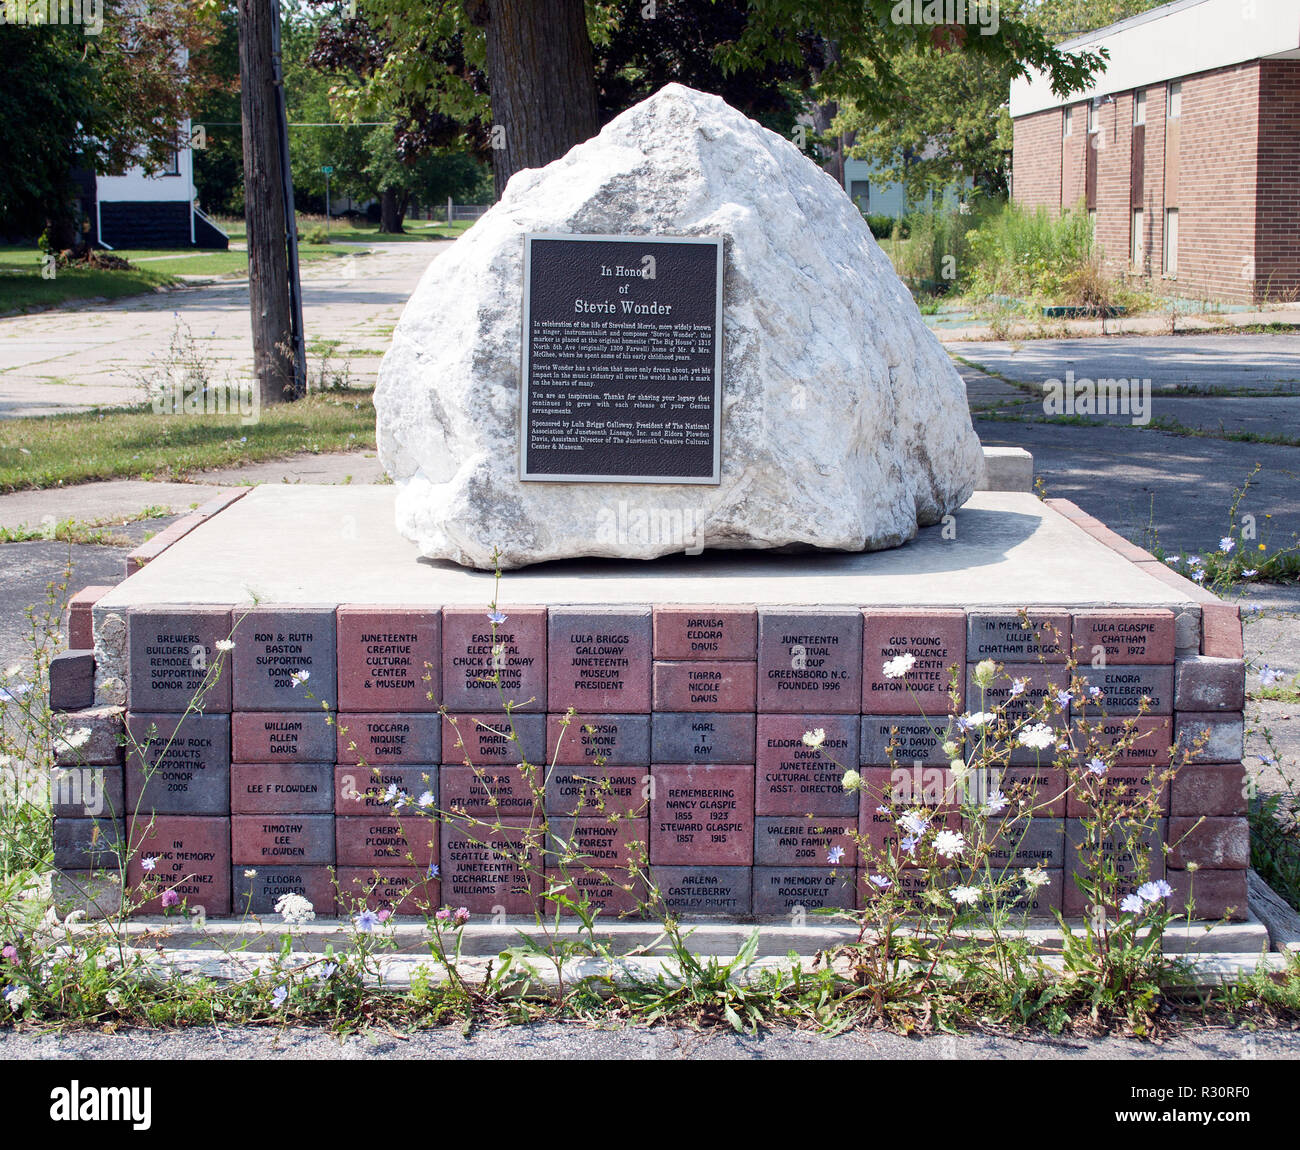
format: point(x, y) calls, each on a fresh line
point(683, 315)
point(676, 342)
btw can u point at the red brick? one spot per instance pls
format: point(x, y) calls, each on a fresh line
point(1152, 738)
point(1129, 785)
point(388, 739)
point(493, 739)
point(702, 814)
point(883, 801)
point(361, 790)
point(1042, 789)
point(261, 737)
point(469, 664)
point(1213, 842)
point(614, 740)
point(481, 866)
point(598, 660)
point(78, 621)
point(1124, 637)
point(1211, 894)
point(1126, 862)
point(404, 891)
point(193, 859)
point(1208, 789)
point(275, 788)
point(1221, 631)
point(389, 658)
point(489, 792)
point(705, 632)
point(938, 641)
point(704, 686)
point(386, 840)
point(269, 840)
point(804, 841)
point(793, 778)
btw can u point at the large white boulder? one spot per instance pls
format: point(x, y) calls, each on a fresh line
point(844, 423)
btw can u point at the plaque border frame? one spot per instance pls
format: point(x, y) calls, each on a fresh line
point(713, 480)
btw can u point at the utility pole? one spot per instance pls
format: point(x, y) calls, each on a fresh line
point(279, 359)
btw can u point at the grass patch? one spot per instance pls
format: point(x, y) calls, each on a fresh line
point(23, 289)
point(82, 530)
point(356, 231)
point(137, 443)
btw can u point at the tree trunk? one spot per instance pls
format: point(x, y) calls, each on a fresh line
point(542, 81)
point(390, 218)
point(268, 262)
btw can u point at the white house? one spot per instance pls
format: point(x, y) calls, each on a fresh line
point(152, 210)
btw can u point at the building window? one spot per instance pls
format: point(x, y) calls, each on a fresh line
point(1138, 247)
point(1171, 242)
point(1068, 123)
point(1175, 107)
point(1139, 107)
point(860, 193)
point(1093, 109)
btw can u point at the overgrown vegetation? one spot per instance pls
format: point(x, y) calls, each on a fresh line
point(1008, 262)
point(934, 947)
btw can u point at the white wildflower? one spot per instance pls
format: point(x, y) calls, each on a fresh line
point(1040, 736)
point(295, 909)
point(897, 667)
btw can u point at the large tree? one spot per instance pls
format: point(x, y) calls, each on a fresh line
point(949, 121)
point(545, 75)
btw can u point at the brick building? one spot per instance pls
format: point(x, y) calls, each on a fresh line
point(1185, 151)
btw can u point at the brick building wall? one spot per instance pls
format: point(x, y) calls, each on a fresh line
point(1217, 193)
point(1238, 157)
point(1036, 158)
point(1277, 194)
